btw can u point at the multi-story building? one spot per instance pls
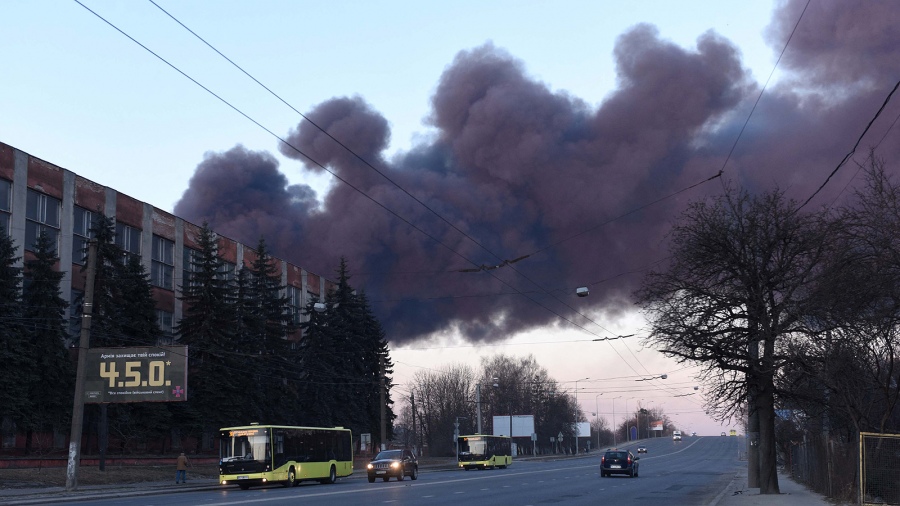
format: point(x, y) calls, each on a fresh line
point(38, 196)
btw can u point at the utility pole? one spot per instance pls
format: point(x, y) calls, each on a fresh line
point(478, 404)
point(383, 406)
point(412, 402)
point(83, 345)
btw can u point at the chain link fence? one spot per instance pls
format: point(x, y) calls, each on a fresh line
point(825, 465)
point(879, 469)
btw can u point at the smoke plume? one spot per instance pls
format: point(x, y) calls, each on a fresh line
point(517, 170)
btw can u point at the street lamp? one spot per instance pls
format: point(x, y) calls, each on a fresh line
point(509, 404)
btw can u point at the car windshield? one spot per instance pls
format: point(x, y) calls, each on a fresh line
point(616, 455)
point(389, 455)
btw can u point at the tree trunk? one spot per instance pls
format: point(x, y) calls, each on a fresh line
point(768, 466)
point(753, 417)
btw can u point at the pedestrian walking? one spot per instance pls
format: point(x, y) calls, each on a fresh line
point(181, 465)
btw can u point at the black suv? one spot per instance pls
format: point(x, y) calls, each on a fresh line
point(618, 462)
point(396, 463)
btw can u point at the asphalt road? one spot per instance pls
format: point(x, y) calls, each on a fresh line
point(691, 472)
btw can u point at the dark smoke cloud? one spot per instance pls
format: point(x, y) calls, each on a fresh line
point(522, 169)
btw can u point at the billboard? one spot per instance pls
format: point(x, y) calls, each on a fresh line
point(657, 425)
point(144, 374)
point(522, 425)
point(584, 429)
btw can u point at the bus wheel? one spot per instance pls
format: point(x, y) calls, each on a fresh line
point(291, 478)
point(332, 477)
point(415, 474)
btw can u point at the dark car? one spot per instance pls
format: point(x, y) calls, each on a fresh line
point(618, 462)
point(393, 463)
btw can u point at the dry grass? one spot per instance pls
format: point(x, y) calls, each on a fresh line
point(56, 476)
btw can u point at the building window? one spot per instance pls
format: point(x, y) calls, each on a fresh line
point(227, 272)
point(164, 321)
point(81, 234)
point(128, 239)
point(294, 296)
point(163, 262)
point(41, 215)
point(189, 257)
point(5, 204)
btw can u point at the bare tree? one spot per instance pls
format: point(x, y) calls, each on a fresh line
point(853, 369)
point(738, 284)
point(441, 398)
point(524, 387)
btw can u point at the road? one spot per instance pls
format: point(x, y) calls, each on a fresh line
point(691, 472)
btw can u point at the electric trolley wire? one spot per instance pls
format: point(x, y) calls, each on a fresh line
point(315, 162)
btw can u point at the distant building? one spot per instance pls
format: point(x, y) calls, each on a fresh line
point(36, 196)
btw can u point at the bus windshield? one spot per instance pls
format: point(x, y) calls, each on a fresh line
point(249, 444)
point(472, 447)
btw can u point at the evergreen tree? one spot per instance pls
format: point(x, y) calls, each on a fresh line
point(52, 375)
point(270, 325)
point(136, 309)
point(135, 319)
point(344, 360)
point(208, 328)
point(13, 401)
point(124, 314)
point(247, 403)
point(318, 361)
point(377, 368)
point(106, 329)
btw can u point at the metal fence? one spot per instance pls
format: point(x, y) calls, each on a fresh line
point(879, 469)
point(826, 466)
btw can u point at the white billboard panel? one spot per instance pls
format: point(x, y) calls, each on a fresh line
point(584, 429)
point(522, 425)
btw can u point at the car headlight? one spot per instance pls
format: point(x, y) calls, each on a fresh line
point(395, 465)
point(370, 466)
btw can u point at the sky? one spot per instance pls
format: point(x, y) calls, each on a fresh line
point(501, 154)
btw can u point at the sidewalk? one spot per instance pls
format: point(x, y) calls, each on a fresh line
point(792, 494)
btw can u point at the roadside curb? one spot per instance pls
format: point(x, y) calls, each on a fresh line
point(719, 499)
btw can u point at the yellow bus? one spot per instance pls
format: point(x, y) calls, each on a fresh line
point(484, 452)
point(260, 454)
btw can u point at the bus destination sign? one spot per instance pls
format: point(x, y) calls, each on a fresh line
point(147, 374)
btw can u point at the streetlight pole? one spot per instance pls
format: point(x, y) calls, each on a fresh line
point(597, 417)
point(456, 433)
point(614, 419)
point(627, 431)
point(576, 414)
